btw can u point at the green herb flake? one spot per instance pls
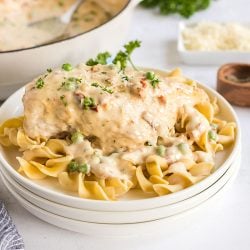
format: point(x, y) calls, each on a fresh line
point(95, 84)
point(100, 59)
point(62, 98)
point(67, 67)
point(70, 84)
point(40, 83)
point(49, 70)
point(155, 83)
point(110, 91)
point(88, 103)
point(125, 78)
point(152, 78)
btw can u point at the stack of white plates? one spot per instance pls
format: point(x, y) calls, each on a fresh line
point(134, 214)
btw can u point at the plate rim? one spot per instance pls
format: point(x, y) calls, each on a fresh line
point(52, 205)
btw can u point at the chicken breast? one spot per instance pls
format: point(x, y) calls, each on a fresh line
point(117, 111)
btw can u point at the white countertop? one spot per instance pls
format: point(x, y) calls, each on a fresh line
point(226, 226)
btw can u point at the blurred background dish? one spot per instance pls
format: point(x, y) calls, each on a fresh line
point(95, 27)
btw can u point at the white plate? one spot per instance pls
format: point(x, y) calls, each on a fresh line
point(207, 57)
point(134, 200)
point(167, 225)
point(122, 217)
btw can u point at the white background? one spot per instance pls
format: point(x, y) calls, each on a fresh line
point(227, 224)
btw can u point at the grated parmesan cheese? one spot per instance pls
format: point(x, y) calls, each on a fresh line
point(212, 36)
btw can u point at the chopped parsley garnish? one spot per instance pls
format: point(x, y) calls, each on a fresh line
point(62, 98)
point(95, 84)
point(152, 78)
point(77, 137)
point(110, 91)
point(71, 83)
point(49, 70)
point(123, 57)
point(100, 59)
point(67, 67)
point(121, 60)
point(88, 103)
point(185, 8)
point(74, 166)
point(39, 83)
point(154, 82)
point(125, 78)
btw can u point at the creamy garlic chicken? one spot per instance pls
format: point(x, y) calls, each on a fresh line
point(102, 130)
point(17, 15)
point(116, 111)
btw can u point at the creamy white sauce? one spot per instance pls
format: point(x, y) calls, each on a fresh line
point(16, 33)
point(120, 124)
point(197, 124)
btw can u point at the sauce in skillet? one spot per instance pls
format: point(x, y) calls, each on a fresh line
point(16, 33)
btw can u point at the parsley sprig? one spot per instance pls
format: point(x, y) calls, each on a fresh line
point(185, 8)
point(101, 58)
point(63, 99)
point(121, 59)
point(88, 103)
point(40, 83)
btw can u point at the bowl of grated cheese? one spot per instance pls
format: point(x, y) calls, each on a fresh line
point(213, 42)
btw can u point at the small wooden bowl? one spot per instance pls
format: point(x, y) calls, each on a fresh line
point(231, 84)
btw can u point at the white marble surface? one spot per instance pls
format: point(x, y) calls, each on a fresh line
point(226, 226)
